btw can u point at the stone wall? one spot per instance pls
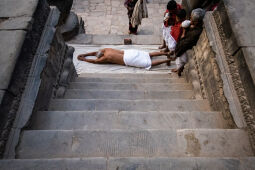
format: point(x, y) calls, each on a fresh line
point(204, 74)
point(70, 24)
point(221, 75)
point(235, 25)
point(42, 69)
point(21, 28)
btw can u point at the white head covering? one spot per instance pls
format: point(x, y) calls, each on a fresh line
point(198, 14)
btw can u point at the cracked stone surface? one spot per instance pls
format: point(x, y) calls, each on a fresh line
point(110, 16)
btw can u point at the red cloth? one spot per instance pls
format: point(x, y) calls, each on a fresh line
point(172, 19)
point(176, 31)
point(214, 7)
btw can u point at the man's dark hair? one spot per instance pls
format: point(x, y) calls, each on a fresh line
point(181, 14)
point(171, 5)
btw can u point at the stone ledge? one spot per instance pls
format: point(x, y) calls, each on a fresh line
point(238, 25)
point(249, 54)
point(1, 95)
point(241, 17)
point(11, 43)
point(237, 85)
point(224, 71)
point(17, 23)
point(17, 8)
point(27, 17)
point(33, 83)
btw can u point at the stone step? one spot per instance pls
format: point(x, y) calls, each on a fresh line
point(131, 86)
point(114, 39)
point(163, 163)
point(128, 105)
point(86, 120)
point(128, 94)
point(129, 80)
point(129, 75)
point(129, 143)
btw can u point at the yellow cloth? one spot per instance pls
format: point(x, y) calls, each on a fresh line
point(140, 12)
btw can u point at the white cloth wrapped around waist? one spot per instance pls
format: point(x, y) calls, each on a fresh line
point(137, 58)
point(166, 32)
point(181, 61)
point(171, 43)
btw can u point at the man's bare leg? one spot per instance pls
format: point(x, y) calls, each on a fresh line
point(166, 49)
point(158, 62)
point(155, 54)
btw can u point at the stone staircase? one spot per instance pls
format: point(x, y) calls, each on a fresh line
point(127, 121)
point(130, 121)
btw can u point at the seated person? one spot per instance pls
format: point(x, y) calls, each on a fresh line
point(190, 39)
point(176, 30)
point(133, 58)
point(169, 20)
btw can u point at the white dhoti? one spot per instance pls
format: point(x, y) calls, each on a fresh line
point(137, 58)
point(166, 32)
point(171, 43)
point(181, 61)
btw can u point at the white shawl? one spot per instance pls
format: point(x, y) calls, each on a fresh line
point(140, 12)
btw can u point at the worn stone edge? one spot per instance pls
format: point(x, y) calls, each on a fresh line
point(34, 75)
point(12, 97)
point(192, 75)
point(246, 110)
point(228, 85)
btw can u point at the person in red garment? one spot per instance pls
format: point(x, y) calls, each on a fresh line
point(176, 30)
point(169, 20)
point(189, 40)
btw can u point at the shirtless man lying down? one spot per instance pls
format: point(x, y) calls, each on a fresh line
point(135, 58)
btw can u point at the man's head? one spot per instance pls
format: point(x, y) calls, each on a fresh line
point(181, 15)
point(197, 16)
point(171, 5)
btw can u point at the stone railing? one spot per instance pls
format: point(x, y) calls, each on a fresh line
point(40, 68)
point(221, 70)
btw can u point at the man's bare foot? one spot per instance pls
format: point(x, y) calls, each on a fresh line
point(180, 70)
point(165, 50)
point(174, 70)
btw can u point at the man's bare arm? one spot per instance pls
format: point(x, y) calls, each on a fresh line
point(94, 61)
point(87, 54)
